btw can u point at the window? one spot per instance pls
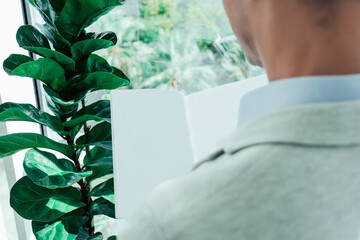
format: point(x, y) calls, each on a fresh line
point(175, 44)
point(19, 90)
point(171, 44)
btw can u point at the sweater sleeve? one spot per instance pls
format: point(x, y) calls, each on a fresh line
point(141, 226)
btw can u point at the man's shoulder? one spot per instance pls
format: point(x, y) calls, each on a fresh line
point(264, 185)
point(270, 181)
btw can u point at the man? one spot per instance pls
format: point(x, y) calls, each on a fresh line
point(291, 171)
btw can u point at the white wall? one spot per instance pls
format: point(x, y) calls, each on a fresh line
point(12, 89)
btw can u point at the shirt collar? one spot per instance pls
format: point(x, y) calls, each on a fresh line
point(325, 125)
point(297, 91)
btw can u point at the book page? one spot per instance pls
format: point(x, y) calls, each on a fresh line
point(213, 113)
point(151, 143)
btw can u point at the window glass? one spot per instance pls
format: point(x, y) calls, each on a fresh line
point(170, 44)
point(175, 44)
point(185, 45)
point(18, 90)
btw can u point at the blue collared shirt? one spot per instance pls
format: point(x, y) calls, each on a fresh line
point(296, 91)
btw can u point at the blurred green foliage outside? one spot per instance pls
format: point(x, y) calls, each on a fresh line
point(176, 44)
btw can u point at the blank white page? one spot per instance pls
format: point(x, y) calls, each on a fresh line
point(213, 113)
point(151, 143)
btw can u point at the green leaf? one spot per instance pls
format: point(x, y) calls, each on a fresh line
point(41, 204)
point(60, 110)
point(105, 188)
point(98, 157)
point(97, 236)
point(59, 43)
point(96, 63)
point(86, 47)
point(58, 105)
point(102, 206)
point(27, 112)
point(57, 5)
point(105, 161)
point(104, 81)
point(29, 36)
point(32, 2)
point(14, 61)
point(12, 143)
point(45, 170)
point(74, 132)
point(111, 36)
point(117, 72)
point(46, 70)
point(65, 229)
point(110, 198)
point(46, 10)
point(99, 172)
point(98, 111)
point(84, 235)
point(81, 120)
point(79, 14)
point(100, 135)
point(112, 238)
point(66, 62)
point(96, 81)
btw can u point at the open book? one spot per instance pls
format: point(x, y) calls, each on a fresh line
point(160, 134)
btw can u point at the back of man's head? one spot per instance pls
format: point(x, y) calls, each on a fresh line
point(298, 37)
point(325, 11)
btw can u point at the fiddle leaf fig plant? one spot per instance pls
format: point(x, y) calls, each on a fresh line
point(58, 192)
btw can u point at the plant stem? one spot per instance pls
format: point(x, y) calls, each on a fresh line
point(84, 186)
point(86, 129)
point(87, 150)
